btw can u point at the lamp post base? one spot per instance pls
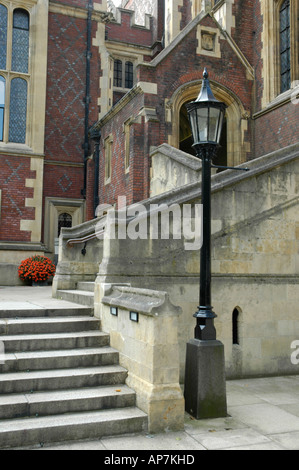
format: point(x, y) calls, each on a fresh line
point(205, 387)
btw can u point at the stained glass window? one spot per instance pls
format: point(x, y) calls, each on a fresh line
point(20, 41)
point(118, 68)
point(129, 78)
point(2, 104)
point(18, 111)
point(285, 46)
point(3, 36)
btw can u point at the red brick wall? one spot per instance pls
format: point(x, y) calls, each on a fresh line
point(243, 33)
point(276, 129)
point(143, 135)
point(14, 171)
point(186, 13)
point(179, 68)
point(65, 108)
point(127, 33)
point(257, 51)
point(65, 114)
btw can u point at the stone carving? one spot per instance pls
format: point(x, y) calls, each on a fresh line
point(208, 41)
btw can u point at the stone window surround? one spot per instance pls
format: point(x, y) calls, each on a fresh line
point(54, 207)
point(271, 49)
point(38, 11)
point(124, 61)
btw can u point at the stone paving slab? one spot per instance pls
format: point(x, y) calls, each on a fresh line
point(26, 298)
point(263, 415)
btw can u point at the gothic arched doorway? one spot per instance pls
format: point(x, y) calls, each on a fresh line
point(186, 139)
point(233, 144)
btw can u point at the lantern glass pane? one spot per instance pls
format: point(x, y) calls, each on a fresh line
point(193, 122)
point(201, 130)
point(221, 118)
point(213, 124)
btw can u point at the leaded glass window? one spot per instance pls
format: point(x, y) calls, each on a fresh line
point(3, 36)
point(2, 105)
point(118, 72)
point(64, 220)
point(129, 78)
point(18, 111)
point(285, 46)
point(20, 41)
point(123, 74)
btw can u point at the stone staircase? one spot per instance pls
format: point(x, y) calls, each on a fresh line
point(83, 294)
point(60, 380)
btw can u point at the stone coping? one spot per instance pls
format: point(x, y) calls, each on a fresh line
point(144, 301)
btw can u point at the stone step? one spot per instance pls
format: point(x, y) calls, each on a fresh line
point(65, 401)
point(86, 286)
point(38, 360)
point(44, 312)
point(54, 341)
point(81, 297)
point(73, 426)
point(60, 379)
point(48, 325)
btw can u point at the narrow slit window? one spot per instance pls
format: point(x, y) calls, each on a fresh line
point(118, 68)
point(285, 46)
point(236, 326)
point(108, 158)
point(3, 36)
point(18, 111)
point(2, 106)
point(129, 75)
point(20, 41)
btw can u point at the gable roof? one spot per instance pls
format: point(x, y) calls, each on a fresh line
point(182, 35)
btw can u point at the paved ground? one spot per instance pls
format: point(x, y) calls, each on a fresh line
point(263, 412)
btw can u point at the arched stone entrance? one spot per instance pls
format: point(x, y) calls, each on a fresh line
point(234, 146)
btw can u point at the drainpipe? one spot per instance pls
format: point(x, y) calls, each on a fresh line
point(87, 95)
point(96, 137)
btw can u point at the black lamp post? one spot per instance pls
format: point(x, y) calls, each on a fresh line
point(205, 390)
point(206, 116)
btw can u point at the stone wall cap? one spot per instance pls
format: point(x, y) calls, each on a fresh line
point(144, 301)
point(181, 157)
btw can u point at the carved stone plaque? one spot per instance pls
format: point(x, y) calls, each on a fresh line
point(207, 41)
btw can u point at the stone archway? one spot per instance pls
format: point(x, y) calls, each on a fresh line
point(236, 120)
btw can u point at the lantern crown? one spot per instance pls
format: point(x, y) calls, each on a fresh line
point(206, 115)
